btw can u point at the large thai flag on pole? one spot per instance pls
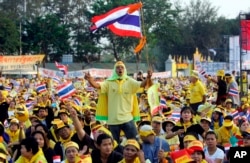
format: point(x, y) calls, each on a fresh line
point(62, 68)
point(41, 88)
point(65, 90)
point(122, 21)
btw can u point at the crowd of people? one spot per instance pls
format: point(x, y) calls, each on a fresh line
point(199, 118)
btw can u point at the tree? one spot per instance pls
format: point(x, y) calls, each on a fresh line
point(161, 29)
point(9, 37)
point(199, 27)
point(46, 35)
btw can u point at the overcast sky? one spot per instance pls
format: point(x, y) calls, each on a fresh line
point(228, 8)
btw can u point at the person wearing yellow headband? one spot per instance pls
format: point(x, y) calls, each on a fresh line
point(72, 154)
point(132, 152)
point(117, 103)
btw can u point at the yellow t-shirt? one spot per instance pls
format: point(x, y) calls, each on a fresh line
point(120, 99)
point(197, 90)
point(14, 136)
point(172, 141)
point(224, 134)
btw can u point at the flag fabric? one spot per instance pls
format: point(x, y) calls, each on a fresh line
point(163, 101)
point(41, 88)
point(56, 79)
point(122, 21)
point(233, 92)
point(65, 90)
point(153, 99)
point(202, 72)
point(7, 88)
point(29, 104)
point(235, 114)
point(176, 116)
point(62, 68)
point(77, 101)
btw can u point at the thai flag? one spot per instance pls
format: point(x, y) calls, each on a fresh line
point(235, 114)
point(56, 79)
point(41, 88)
point(233, 92)
point(62, 68)
point(7, 88)
point(29, 104)
point(90, 89)
point(122, 21)
point(163, 101)
point(202, 72)
point(77, 101)
point(65, 90)
point(176, 116)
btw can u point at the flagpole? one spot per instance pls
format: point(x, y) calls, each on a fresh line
point(144, 33)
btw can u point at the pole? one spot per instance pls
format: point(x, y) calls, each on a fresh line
point(20, 39)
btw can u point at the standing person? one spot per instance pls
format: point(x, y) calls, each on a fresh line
point(4, 107)
point(197, 92)
point(222, 86)
point(117, 103)
point(232, 90)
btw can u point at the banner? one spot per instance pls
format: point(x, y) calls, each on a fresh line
point(19, 62)
point(98, 73)
point(153, 97)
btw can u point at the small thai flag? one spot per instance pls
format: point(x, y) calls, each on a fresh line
point(65, 90)
point(235, 114)
point(233, 92)
point(163, 101)
point(90, 89)
point(176, 116)
point(56, 79)
point(41, 88)
point(8, 88)
point(77, 101)
point(202, 72)
point(62, 68)
point(29, 104)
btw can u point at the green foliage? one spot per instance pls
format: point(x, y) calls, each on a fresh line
point(46, 35)
point(9, 38)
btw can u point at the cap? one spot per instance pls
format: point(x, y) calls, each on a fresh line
point(133, 143)
point(206, 119)
point(189, 138)
point(60, 125)
point(195, 74)
point(220, 73)
point(157, 119)
point(227, 123)
point(146, 130)
point(71, 144)
point(195, 145)
point(228, 100)
point(14, 120)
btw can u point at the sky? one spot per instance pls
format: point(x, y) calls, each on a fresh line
point(228, 8)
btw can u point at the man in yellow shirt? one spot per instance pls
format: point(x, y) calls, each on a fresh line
point(120, 91)
point(228, 132)
point(197, 91)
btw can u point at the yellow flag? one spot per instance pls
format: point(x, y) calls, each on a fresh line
point(153, 98)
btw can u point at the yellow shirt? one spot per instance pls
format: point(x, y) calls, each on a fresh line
point(197, 90)
point(120, 99)
point(224, 134)
point(37, 158)
point(172, 141)
point(14, 136)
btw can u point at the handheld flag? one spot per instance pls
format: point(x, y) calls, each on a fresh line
point(62, 68)
point(122, 21)
point(65, 90)
point(233, 92)
point(41, 88)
